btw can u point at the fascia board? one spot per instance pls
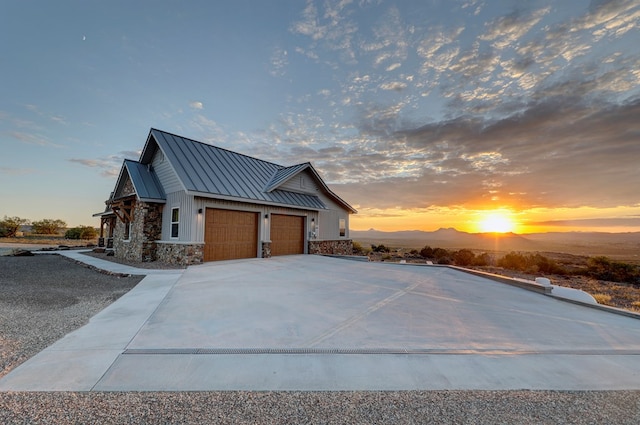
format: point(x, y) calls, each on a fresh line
point(251, 201)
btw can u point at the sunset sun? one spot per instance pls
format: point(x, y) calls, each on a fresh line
point(496, 222)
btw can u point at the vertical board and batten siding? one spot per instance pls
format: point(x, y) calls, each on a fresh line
point(166, 175)
point(188, 219)
point(329, 220)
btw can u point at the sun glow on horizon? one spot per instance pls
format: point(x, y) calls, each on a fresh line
point(496, 222)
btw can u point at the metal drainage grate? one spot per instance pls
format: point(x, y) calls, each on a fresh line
point(417, 351)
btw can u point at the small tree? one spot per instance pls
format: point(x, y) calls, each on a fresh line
point(48, 226)
point(81, 232)
point(9, 226)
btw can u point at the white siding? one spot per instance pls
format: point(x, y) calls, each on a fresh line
point(329, 220)
point(303, 182)
point(187, 224)
point(166, 175)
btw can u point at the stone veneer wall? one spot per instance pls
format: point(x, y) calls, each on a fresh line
point(180, 253)
point(152, 230)
point(336, 247)
point(146, 229)
point(266, 249)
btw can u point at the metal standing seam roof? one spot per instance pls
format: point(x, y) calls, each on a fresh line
point(145, 182)
point(207, 169)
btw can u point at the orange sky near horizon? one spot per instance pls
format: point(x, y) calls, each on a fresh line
point(541, 220)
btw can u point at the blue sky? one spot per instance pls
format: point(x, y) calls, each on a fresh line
point(421, 114)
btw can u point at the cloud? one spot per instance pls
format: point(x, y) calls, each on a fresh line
point(278, 63)
point(12, 171)
point(196, 105)
point(528, 109)
point(107, 166)
point(395, 85)
point(329, 29)
point(591, 222)
point(506, 31)
point(33, 139)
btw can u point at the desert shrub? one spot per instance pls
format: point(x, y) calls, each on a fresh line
point(482, 260)
point(9, 226)
point(47, 226)
point(81, 232)
point(439, 253)
point(358, 249)
point(380, 248)
point(602, 298)
point(463, 257)
point(530, 263)
point(605, 269)
point(513, 261)
point(426, 252)
point(546, 265)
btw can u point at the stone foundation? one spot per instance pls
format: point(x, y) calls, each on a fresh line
point(181, 254)
point(337, 247)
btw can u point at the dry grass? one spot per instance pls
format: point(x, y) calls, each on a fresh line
point(603, 298)
point(48, 240)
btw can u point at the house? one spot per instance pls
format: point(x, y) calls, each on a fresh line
point(188, 202)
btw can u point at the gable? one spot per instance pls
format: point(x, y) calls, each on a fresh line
point(140, 180)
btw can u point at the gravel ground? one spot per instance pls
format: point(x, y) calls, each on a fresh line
point(44, 297)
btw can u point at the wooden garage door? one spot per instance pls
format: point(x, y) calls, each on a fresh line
point(229, 235)
point(287, 234)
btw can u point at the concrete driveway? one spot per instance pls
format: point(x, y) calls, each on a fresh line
point(317, 323)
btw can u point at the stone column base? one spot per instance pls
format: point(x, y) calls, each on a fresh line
point(266, 249)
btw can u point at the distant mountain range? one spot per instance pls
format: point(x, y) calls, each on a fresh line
point(623, 245)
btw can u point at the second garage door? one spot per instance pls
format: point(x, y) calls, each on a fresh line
point(287, 234)
point(229, 235)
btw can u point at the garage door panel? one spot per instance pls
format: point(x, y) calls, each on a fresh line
point(287, 234)
point(230, 234)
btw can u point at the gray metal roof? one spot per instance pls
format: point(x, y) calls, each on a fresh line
point(209, 170)
point(145, 182)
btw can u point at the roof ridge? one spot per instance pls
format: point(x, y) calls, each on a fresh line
point(218, 147)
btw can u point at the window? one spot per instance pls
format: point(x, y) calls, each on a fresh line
point(343, 227)
point(175, 221)
point(127, 230)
